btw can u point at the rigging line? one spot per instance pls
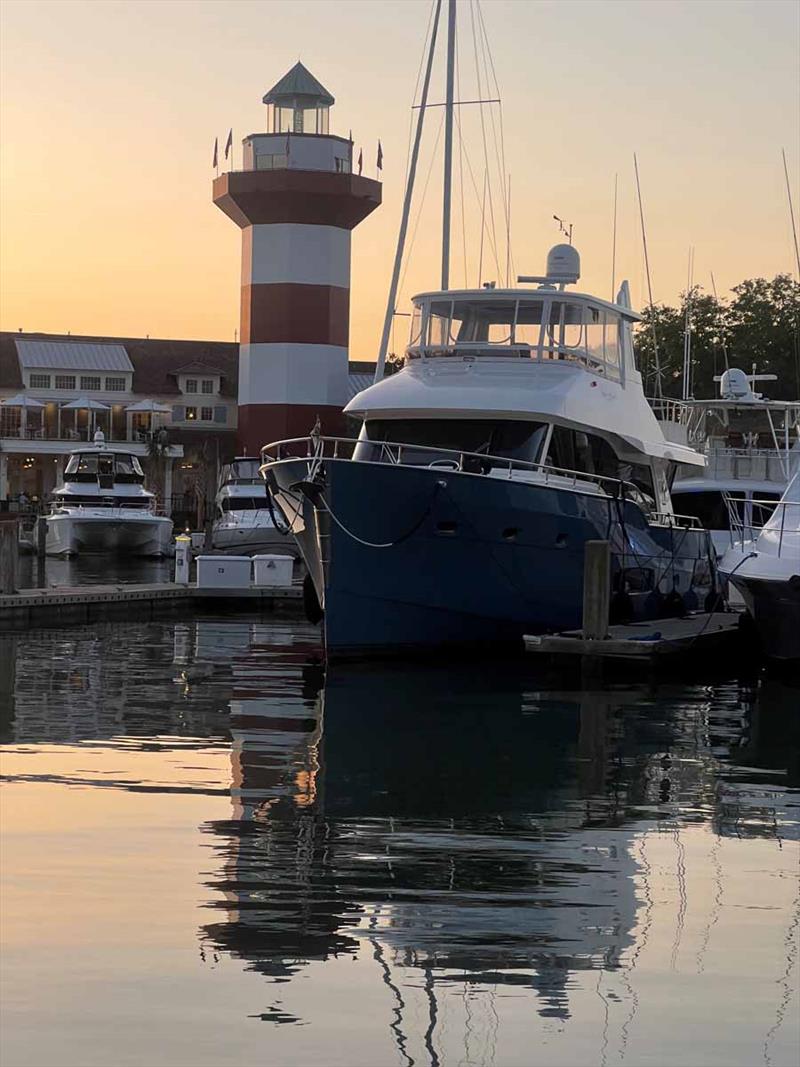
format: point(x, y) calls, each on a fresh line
point(461, 177)
point(479, 200)
point(649, 284)
point(416, 87)
point(791, 212)
point(500, 153)
point(483, 131)
point(421, 205)
point(483, 225)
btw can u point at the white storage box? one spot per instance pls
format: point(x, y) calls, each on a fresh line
point(198, 541)
point(273, 570)
point(223, 572)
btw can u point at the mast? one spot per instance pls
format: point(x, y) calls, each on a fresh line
point(448, 143)
point(401, 236)
point(791, 213)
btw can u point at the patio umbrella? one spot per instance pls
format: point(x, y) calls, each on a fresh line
point(21, 401)
point(83, 403)
point(24, 402)
point(151, 406)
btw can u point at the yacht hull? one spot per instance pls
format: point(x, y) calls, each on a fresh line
point(250, 541)
point(69, 534)
point(466, 560)
point(775, 609)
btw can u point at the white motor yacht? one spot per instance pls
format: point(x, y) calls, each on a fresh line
point(764, 565)
point(752, 449)
point(244, 523)
point(103, 506)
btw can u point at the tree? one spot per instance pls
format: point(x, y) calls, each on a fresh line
point(760, 326)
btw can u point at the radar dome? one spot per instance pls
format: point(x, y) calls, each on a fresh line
point(563, 264)
point(735, 385)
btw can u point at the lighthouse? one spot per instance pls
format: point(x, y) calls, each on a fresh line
point(296, 202)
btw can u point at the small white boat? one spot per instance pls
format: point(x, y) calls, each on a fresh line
point(103, 506)
point(244, 523)
point(764, 565)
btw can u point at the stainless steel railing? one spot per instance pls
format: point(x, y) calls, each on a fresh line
point(459, 461)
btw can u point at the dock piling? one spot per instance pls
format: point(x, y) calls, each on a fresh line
point(9, 553)
point(596, 589)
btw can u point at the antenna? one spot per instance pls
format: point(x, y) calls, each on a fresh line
point(565, 228)
point(791, 212)
point(687, 329)
point(719, 324)
point(649, 282)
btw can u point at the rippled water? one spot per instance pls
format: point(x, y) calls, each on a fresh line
point(213, 854)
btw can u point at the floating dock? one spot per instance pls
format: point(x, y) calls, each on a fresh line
point(647, 642)
point(92, 603)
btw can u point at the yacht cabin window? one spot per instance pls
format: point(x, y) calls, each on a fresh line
point(543, 328)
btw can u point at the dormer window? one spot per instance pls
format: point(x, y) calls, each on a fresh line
point(208, 386)
point(191, 385)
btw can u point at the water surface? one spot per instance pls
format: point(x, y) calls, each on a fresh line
point(213, 854)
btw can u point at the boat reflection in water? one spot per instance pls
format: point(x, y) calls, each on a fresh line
point(492, 837)
point(429, 866)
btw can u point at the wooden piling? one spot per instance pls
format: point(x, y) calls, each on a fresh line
point(41, 536)
point(9, 553)
point(596, 589)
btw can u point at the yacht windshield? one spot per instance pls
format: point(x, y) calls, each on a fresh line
point(547, 327)
point(244, 503)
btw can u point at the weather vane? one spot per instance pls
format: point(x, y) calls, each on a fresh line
point(564, 227)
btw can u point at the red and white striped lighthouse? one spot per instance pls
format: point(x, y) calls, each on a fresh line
point(296, 201)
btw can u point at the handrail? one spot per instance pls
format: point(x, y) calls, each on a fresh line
point(319, 448)
point(743, 530)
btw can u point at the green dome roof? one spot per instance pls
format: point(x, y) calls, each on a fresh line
point(299, 86)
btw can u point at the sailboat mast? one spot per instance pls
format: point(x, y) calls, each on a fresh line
point(448, 143)
point(401, 236)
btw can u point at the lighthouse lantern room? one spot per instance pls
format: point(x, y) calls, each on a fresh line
point(296, 201)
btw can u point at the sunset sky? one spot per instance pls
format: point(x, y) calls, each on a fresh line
point(110, 110)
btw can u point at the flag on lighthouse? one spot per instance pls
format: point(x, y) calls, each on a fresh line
point(380, 156)
point(360, 160)
point(229, 142)
point(215, 161)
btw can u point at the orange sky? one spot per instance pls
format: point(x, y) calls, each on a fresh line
point(110, 109)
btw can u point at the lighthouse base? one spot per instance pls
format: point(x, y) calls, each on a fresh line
point(259, 424)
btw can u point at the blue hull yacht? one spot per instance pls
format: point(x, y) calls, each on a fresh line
point(516, 431)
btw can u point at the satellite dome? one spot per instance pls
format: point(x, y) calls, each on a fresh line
point(563, 264)
point(734, 385)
